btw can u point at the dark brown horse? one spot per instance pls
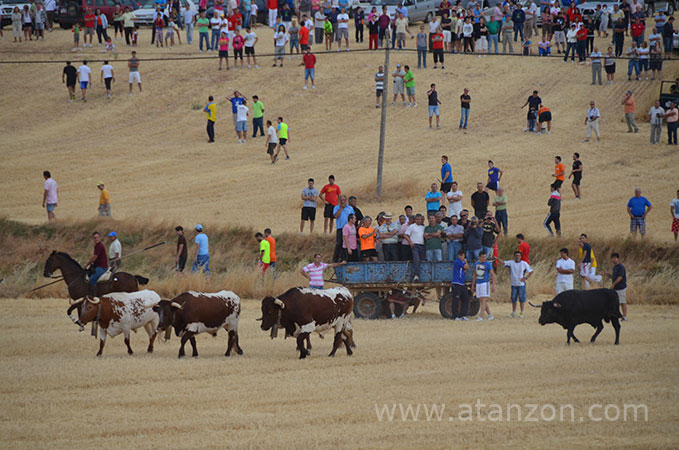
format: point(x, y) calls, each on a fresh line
point(78, 287)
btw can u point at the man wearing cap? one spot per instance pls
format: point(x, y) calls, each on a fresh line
point(399, 82)
point(115, 251)
point(202, 251)
point(104, 200)
point(388, 234)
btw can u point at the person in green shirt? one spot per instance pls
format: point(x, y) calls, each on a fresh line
point(282, 139)
point(432, 239)
point(500, 204)
point(409, 80)
point(257, 116)
point(203, 30)
point(493, 27)
point(327, 31)
point(264, 253)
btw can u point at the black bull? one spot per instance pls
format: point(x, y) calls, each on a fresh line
point(572, 308)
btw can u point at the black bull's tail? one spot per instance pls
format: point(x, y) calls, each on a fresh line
point(612, 308)
point(143, 281)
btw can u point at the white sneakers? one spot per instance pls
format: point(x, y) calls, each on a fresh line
point(480, 319)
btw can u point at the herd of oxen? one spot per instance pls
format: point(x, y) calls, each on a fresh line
point(120, 307)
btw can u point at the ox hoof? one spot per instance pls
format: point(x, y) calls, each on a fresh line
point(227, 354)
point(149, 350)
point(180, 356)
point(239, 351)
point(99, 355)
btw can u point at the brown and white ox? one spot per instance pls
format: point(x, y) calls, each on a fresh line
point(192, 313)
point(121, 312)
point(301, 311)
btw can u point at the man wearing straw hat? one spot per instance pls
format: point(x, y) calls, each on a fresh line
point(104, 200)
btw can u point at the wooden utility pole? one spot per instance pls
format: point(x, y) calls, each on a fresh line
point(383, 121)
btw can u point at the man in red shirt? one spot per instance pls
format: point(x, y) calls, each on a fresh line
point(235, 20)
point(272, 250)
point(582, 43)
point(437, 47)
point(637, 31)
point(524, 248)
point(89, 26)
point(98, 260)
point(309, 66)
point(329, 194)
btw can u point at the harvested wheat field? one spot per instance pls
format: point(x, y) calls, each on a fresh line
point(151, 150)
point(56, 394)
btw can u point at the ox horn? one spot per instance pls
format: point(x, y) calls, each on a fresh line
point(75, 302)
point(259, 319)
point(534, 306)
point(279, 302)
point(94, 300)
point(176, 305)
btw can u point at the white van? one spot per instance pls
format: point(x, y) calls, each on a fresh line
point(418, 10)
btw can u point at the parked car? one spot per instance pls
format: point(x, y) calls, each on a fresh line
point(418, 10)
point(144, 15)
point(6, 8)
point(73, 11)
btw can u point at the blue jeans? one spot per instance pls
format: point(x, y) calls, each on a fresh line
point(201, 37)
point(189, 33)
point(633, 65)
point(98, 272)
point(570, 48)
point(435, 254)
point(201, 261)
point(418, 257)
point(464, 117)
point(518, 27)
point(473, 255)
point(453, 248)
point(489, 252)
point(519, 293)
point(246, 19)
point(214, 39)
point(422, 58)
point(501, 217)
point(668, 44)
point(257, 123)
point(493, 40)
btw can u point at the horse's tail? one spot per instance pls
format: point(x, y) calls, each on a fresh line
point(143, 281)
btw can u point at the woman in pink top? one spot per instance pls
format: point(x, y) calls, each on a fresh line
point(350, 244)
point(224, 49)
point(238, 42)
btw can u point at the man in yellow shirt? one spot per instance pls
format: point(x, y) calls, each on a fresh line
point(104, 200)
point(211, 112)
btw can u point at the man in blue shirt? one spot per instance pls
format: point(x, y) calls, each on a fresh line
point(460, 308)
point(341, 213)
point(446, 175)
point(236, 100)
point(202, 251)
point(637, 208)
point(433, 199)
point(484, 282)
point(494, 176)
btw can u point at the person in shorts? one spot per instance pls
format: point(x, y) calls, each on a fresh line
point(433, 100)
point(309, 196)
point(519, 272)
point(133, 65)
point(576, 174)
point(330, 195)
point(619, 282)
point(271, 140)
point(409, 80)
point(544, 115)
point(399, 84)
point(367, 235)
point(70, 76)
point(483, 280)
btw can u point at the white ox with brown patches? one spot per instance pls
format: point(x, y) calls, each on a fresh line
point(302, 311)
point(121, 312)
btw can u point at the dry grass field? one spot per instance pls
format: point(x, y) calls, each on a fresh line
point(152, 153)
point(56, 394)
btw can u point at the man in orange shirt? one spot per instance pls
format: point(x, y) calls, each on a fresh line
point(628, 102)
point(524, 248)
point(559, 172)
point(367, 234)
point(544, 115)
point(272, 249)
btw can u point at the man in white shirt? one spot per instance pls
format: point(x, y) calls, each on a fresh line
point(592, 121)
point(242, 112)
point(415, 237)
point(342, 29)
point(107, 76)
point(50, 196)
point(115, 251)
point(319, 18)
point(84, 78)
point(50, 10)
point(454, 201)
point(655, 114)
point(519, 272)
point(271, 140)
point(215, 25)
point(564, 268)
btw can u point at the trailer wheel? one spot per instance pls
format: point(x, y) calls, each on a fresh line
point(367, 305)
point(450, 303)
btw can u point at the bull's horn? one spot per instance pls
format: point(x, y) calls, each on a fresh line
point(176, 305)
point(94, 300)
point(534, 306)
point(279, 302)
point(75, 302)
point(259, 319)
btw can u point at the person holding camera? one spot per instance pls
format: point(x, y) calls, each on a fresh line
point(473, 236)
point(592, 121)
point(490, 232)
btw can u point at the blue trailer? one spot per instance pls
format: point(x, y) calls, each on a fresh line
point(376, 284)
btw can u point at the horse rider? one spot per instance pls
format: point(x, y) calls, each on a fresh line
point(98, 260)
point(115, 251)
